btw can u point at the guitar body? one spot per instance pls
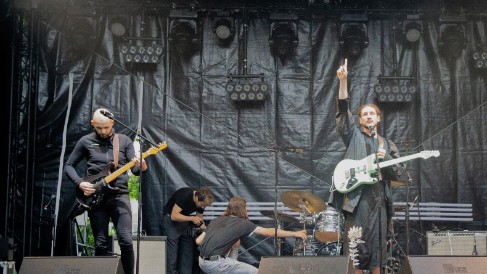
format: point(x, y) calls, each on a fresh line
point(101, 181)
point(350, 174)
point(101, 189)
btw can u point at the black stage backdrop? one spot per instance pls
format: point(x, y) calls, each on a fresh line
point(257, 151)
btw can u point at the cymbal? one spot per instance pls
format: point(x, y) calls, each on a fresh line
point(283, 217)
point(300, 201)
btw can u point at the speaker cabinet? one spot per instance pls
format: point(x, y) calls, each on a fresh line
point(457, 243)
point(152, 254)
point(306, 264)
point(71, 264)
point(444, 265)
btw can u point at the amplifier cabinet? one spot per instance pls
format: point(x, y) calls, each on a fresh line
point(457, 243)
point(152, 254)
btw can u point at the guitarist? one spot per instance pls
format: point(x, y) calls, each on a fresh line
point(97, 148)
point(369, 207)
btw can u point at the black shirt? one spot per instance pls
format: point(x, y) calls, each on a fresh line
point(183, 197)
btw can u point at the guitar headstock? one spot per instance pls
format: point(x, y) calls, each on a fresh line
point(154, 150)
point(429, 153)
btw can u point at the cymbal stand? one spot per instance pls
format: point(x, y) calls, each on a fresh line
point(303, 207)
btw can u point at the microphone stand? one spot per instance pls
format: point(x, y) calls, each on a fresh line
point(141, 139)
point(379, 178)
point(407, 210)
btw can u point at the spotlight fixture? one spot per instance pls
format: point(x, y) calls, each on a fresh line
point(183, 31)
point(80, 35)
point(118, 26)
point(452, 37)
point(283, 37)
point(392, 89)
point(244, 88)
point(223, 27)
point(479, 58)
point(412, 28)
point(353, 34)
point(144, 54)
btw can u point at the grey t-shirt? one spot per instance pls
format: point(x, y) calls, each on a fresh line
point(222, 233)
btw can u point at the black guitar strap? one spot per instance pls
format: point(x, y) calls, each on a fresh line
point(115, 150)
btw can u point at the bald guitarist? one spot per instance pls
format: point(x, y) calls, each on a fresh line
point(102, 150)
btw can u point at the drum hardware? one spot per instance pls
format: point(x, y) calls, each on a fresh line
point(280, 216)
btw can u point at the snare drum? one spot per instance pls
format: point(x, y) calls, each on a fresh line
point(329, 226)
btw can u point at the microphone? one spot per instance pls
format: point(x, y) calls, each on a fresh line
point(371, 128)
point(49, 201)
point(107, 113)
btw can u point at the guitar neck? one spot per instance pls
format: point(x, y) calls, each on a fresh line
point(399, 160)
point(112, 176)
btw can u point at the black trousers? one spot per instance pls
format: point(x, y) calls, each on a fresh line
point(116, 208)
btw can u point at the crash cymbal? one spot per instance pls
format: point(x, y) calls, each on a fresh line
point(302, 201)
point(283, 217)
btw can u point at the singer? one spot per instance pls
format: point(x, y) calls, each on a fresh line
point(368, 207)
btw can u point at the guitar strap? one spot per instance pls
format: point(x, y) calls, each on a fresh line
point(115, 149)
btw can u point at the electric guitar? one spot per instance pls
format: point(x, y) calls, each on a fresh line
point(101, 181)
point(350, 174)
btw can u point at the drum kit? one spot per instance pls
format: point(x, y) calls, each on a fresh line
point(326, 224)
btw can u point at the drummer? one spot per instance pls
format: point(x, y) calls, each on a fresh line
point(223, 234)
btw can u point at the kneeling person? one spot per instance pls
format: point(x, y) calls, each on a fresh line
point(224, 233)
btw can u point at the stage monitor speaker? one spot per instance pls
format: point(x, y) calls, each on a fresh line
point(444, 265)
point(71, 264)
point(152, 254)
point(462, 243)
point(305, 264)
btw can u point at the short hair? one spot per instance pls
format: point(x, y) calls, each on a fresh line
point(205, 195)
point(237, 206)
point(374, 106)
point(99, 117)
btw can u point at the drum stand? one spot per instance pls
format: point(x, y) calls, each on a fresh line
point(304, 209)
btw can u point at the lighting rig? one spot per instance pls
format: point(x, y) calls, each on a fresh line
point(399, 89)
point(247, 88)
point(479, 56)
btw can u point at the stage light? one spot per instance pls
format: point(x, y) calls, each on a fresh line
point(395, 89)
point(118, 26)
point(80, 35)
point(283, 35)
point(452, 37)
point(353, 34)
point(412, 28)
point(149, 54)
point(479, 59)
point(246, 89)
point(183, 33)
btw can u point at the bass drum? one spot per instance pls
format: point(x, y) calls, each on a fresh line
point(330, 249)
point(329, 226)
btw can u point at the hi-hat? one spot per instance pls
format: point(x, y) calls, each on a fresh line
point(302, 201)
point(282, 217)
